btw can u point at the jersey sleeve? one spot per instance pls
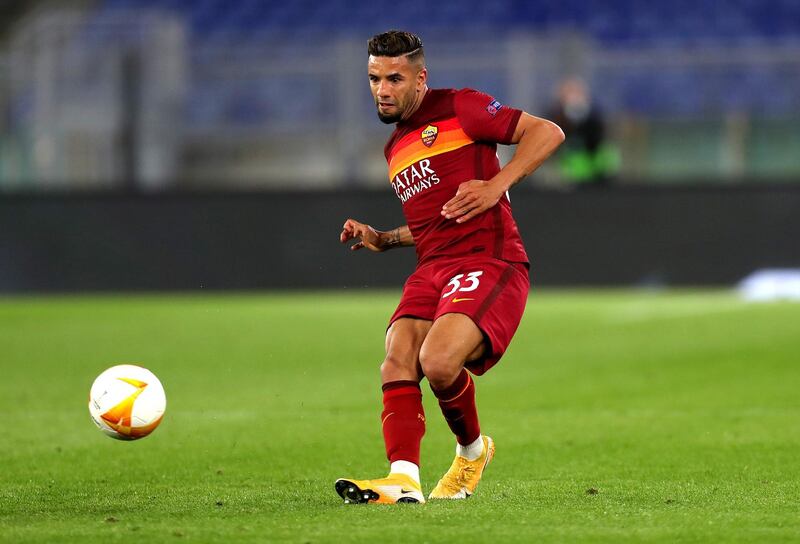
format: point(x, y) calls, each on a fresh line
point(485, 119)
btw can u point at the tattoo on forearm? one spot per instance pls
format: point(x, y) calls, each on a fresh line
point(394, 238)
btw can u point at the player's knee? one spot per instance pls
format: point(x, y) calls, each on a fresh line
point(441, 369)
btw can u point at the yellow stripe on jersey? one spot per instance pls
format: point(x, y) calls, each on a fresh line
point(411, 149)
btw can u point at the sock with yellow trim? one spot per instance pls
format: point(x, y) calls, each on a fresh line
point(457, 402)
point(403, 420)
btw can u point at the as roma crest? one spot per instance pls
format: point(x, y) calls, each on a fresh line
point(429, 135)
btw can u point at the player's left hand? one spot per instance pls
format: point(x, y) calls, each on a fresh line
point(472, 198)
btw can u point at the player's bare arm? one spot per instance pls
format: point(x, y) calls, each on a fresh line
point(372, 239)
point(536, 140)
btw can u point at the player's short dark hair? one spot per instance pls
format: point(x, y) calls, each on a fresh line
point(396, 43)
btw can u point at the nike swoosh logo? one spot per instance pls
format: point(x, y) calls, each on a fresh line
point(462, 299)
point(406, 491)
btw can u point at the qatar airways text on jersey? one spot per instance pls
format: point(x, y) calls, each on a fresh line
point(415, 179)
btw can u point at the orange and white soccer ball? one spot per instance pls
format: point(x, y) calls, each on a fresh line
point(127, 402)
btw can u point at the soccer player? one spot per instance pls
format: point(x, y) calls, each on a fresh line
point(464, 301)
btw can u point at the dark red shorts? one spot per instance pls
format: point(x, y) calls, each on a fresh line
point(491, 292)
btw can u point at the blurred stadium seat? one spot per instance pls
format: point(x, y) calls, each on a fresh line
point(613, 23)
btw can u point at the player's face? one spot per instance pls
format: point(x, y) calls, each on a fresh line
point(396, 85)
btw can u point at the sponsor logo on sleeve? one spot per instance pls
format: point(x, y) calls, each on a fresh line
point(493, 107)
point(429, 135)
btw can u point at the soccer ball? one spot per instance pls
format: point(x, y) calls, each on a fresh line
point(127, 402)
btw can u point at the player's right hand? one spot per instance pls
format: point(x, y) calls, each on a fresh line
point(367, 236)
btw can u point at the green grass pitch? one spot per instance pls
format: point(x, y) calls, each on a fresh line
point(619, 417)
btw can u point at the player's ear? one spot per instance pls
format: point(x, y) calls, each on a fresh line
point(422, 79)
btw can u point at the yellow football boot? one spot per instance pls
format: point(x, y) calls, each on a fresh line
point(395, 488)
point(460, 481)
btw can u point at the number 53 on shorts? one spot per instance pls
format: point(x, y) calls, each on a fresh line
point(463, 283)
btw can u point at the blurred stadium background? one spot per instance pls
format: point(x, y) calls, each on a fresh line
point(187, 145)
point(184, 144)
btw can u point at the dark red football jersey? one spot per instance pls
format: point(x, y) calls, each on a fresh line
point(450, 139)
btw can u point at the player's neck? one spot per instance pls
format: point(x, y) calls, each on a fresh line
point(415, 106)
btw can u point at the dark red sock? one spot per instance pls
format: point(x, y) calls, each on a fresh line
point(403, 420)
point(458, 407)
